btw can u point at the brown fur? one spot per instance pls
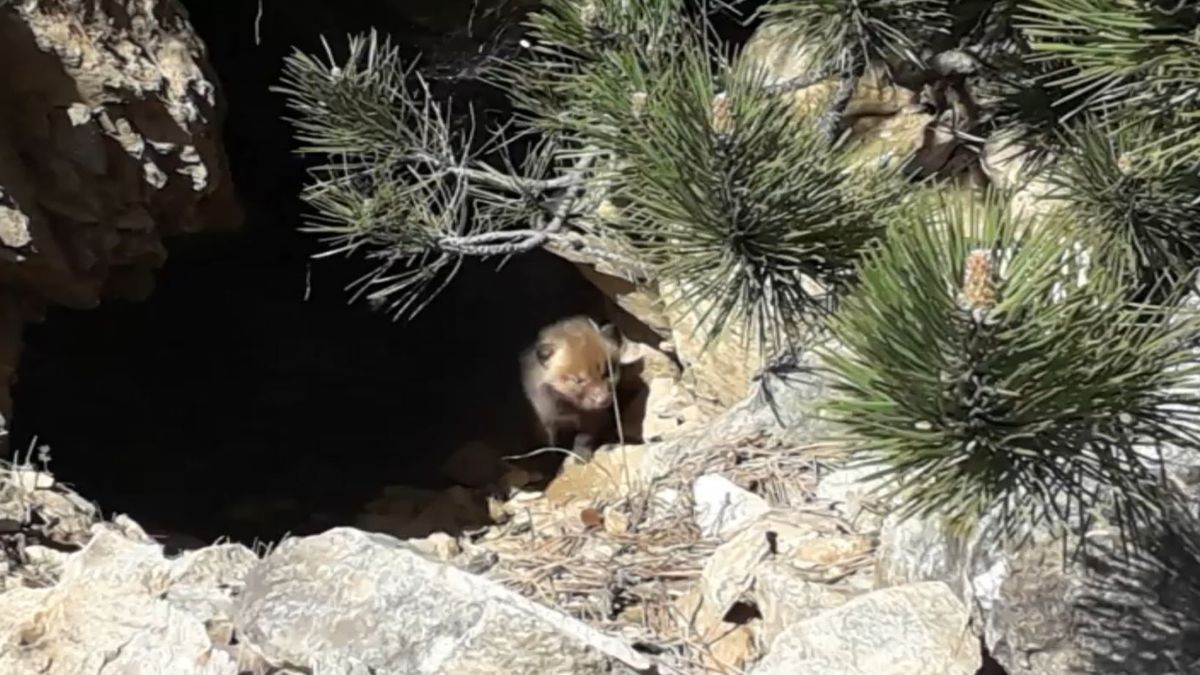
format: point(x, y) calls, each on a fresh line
point(569, 376)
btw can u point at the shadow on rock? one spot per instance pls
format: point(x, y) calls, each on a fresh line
point(1139, 609)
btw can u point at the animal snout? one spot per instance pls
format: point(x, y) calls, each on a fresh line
point(598, 398)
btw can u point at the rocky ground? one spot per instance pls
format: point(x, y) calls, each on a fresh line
point(732, 545)
point(728, 546)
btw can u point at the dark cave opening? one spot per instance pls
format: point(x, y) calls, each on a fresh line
point(247, 384)
point(246, 398)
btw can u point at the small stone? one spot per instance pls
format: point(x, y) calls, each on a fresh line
point(591, 518)
point(439, 546)
point(79, 113)
point(722, 508)
point(14, 228)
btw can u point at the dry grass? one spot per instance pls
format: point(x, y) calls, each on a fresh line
point(626, 571)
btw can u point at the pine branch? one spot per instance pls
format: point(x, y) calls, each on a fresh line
point(487, 175)
point(830, 121)
point(1145, 213)
point(798, 83)
point(986, 368)
point(1124, 62)
point(863, 33)
point(405, 190)
point(754, 193)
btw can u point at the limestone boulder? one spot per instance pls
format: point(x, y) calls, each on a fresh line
point(780, 404)
point(791, 544)
point(107, 613)
point(205, 582)
point(885, 119)
point(1051, 607)
point(1009, 165)
point(721, 373)
point(346, 601)
point(918, 628)
point(785, 597)
point(111, 141)
point(917, 549)
point(33, 500)
point(854, 493)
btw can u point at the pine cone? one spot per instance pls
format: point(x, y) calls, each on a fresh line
point(979, 288)
point(722, 118)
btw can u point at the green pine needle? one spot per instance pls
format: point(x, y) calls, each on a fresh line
point(736, 198)
point(572, 43)
point(1147, 212)
point(861, 33)
point(1129, 59)
point(1027, 410)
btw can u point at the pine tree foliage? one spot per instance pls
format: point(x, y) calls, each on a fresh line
point(985, 362)
point(739, 199)
point(579, 47)
point(1130, 160)
point(408, 188)
point(404, 188)
point(635, 99)
point(985, 368)
point(1130, 60)
point(853, 34)
point(1146, 213)
point(848, 37)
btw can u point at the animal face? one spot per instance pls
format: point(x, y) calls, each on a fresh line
point(583, 389)
point(580, 366)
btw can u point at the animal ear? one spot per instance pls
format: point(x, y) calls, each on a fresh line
point(609, 330)
point(631, 353)
point(544, 351)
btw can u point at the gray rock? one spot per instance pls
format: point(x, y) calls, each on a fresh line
point(347, 601)
point(1182, 469)
point(780, 405)
point(205, 582)
point(112, 142)
point(28, 495)
point(918, 628)
point(106, 614)
point(722, 508)
point(1048, 608)
point(1106, 611)
point(785, 598)
point(847, 484)
point(853, 494)
point(794, 544)
point(917, 549)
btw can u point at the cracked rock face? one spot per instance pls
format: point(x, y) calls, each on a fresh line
point(109, 141)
